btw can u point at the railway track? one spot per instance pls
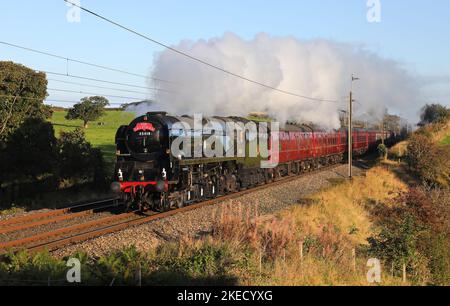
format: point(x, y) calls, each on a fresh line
point(64, 214)
point(58, 238)
point(36, 220)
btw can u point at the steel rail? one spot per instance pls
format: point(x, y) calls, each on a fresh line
point(54, 219)
point(49, 214)
point(62, 231)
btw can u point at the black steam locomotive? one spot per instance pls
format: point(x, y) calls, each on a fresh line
point(149, 175)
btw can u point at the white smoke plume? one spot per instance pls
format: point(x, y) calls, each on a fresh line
point(316, 68)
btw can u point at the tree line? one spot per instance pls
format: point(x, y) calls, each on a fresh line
point(33, 159)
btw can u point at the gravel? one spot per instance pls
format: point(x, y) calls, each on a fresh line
point(13, 215)
point(199, 222)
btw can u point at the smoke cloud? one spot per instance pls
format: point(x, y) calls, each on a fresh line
point(316, 68)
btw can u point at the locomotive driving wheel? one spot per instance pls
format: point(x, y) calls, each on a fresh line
point(231, 183)
point(128, 205)
point(161, 203)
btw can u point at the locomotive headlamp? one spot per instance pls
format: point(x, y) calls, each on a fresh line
point(116, 187)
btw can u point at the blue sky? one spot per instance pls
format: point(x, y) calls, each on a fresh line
point(415, 33)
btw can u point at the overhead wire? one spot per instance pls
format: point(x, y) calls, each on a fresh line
point(105, 81)
point(51, 100)
point(198, 59)
point(82, 62)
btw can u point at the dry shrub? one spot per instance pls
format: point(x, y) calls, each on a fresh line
point(399, 150)
point(430, 207)
point(277, 236)
point(332, 242)
point(235, 225)
point(271, 236)
point(441, 203)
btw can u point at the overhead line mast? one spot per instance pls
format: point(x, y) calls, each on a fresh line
point(350, 130)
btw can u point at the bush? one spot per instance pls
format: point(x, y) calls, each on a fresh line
point(434, 113)
point(426, 158)
point(205, 264)
point(78, 160)
point(383, 151)
point(31, 150)
point(35, 163)
point(413, 231)
point(22, 269)
point(28, 162)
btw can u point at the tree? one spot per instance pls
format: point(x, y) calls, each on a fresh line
point(434, 113)
point(31, 150)
point(22, 92)
point(89, 109)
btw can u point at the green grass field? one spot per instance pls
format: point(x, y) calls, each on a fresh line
point(100, 136)
point(446, 140)
point(444, 136)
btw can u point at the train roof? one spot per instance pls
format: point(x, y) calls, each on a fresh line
point(169, 121)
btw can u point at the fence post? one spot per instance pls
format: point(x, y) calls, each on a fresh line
point(139, 276)
point(404, 273)
point(260, 261)
point(301, 252)
point(354, 259)
point(301, 257)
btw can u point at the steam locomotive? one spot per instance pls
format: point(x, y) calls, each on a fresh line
point(148, 175)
